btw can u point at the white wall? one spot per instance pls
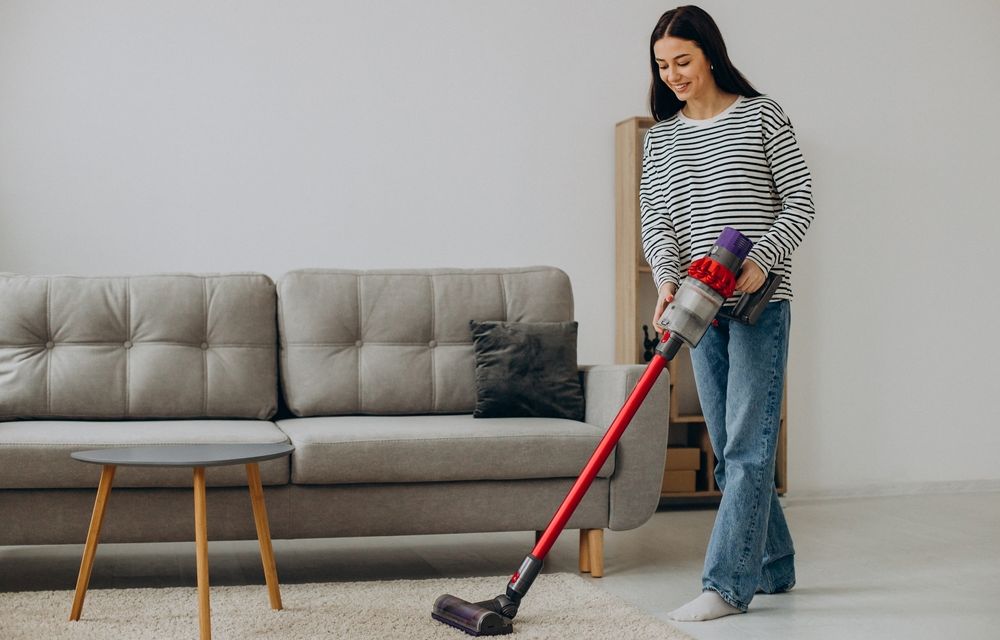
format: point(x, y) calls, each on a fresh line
point(267, 136)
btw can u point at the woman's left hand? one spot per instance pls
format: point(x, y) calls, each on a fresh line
point(751, 277)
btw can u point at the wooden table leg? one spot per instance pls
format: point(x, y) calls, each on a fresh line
point(263, 534)
point(93, 534)
point(201, 545)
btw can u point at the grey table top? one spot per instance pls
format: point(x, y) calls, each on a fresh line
point(186, 455)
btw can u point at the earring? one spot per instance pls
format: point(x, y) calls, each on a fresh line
point(711, 67)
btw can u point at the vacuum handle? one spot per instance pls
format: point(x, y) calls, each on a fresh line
point(750, 305)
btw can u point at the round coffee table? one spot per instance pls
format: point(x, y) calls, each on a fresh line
point(197, 456)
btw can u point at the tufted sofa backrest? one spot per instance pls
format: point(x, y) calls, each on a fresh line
point(159, 346)
point(398, 342)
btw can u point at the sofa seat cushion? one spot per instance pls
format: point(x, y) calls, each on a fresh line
point(438, 448)
point(35, 454)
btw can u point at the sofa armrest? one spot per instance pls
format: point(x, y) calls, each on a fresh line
point(639, 456)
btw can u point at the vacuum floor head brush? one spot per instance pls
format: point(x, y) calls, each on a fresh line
point(710, 281)
point(474, 618)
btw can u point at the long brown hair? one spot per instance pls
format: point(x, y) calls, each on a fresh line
point(694, 24)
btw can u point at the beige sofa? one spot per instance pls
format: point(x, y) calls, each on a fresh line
point(370, 374)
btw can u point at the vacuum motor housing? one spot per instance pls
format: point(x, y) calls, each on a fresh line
point(711, 280)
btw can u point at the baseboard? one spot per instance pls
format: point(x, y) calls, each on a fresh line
point(898, 489)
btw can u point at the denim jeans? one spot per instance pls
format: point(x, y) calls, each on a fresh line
point(739, 371)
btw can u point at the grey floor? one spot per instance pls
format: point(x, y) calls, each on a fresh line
point(908, 567)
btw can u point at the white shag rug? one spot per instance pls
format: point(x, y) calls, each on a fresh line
point(560, 605)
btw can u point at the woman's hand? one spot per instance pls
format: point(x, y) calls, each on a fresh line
point(751, 277)
point(665, 297)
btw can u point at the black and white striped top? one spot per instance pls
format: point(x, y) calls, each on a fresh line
point(742, 169)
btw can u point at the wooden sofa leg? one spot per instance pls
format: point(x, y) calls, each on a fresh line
point(595, 551)
point(584, 551)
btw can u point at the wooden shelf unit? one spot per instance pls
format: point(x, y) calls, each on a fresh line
point(635, 299)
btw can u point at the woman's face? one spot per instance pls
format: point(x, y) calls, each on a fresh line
point(684, 68)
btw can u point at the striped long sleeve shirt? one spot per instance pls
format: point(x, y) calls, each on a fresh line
point(741, 169)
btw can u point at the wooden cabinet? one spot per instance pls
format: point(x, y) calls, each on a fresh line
point(635, 298)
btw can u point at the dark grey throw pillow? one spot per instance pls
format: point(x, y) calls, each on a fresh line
point(526, 369)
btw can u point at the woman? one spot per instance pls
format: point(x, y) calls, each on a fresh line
point(723, 155)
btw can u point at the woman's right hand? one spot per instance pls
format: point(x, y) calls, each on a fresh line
point(665, 297)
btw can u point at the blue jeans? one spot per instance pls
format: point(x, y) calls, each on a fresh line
point(739, 371)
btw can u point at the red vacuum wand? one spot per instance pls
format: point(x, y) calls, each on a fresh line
point(711, 280)
point(600, 455)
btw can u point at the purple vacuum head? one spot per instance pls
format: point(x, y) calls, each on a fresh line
point(734, 242)
point(474, 618)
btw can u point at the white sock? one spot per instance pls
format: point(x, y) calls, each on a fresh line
point(708, 606)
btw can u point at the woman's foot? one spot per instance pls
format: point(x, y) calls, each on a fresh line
point(708, 606)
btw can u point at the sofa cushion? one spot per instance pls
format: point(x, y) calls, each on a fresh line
point(526, 369)
point(161, 346)
point(35, 455)
point(437, 448)
point(398, 342)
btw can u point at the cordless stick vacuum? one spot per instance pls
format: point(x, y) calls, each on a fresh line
point(711, 280)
